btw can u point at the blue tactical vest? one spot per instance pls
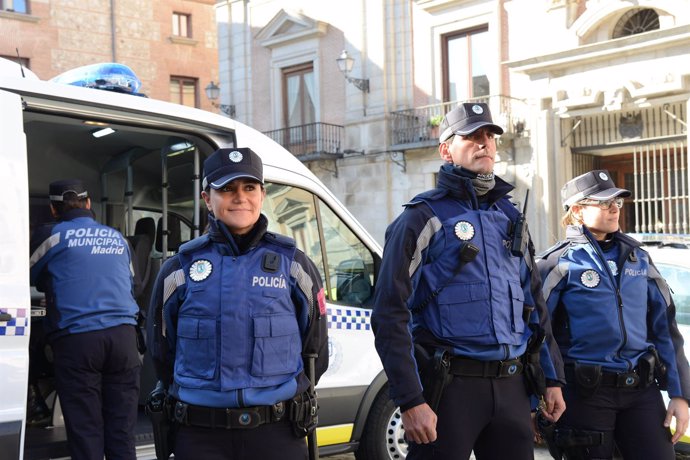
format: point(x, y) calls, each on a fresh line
point(84, 268)
point(237, 326)
point(483, 303)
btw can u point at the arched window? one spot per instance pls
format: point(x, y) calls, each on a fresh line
point(636, 22)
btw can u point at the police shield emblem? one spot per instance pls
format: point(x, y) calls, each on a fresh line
point(613, 267)
point(200, 270)
point(590, 278)
point(464, 230)
point(235, 156)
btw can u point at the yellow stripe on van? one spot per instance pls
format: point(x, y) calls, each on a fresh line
point(336, 434)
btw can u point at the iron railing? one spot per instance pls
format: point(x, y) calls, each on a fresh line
point(586, 132)
point(419, 127)
point(312, 141)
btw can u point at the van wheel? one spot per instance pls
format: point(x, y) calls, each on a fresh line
point(384, 434)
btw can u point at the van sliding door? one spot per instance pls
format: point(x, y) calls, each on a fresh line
point(15, 302)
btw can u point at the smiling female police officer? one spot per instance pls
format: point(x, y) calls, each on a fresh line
point(233, 312)
point(614, 320)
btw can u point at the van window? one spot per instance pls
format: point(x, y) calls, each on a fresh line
point(350, 263)
point(344, 262)
point(678, 278)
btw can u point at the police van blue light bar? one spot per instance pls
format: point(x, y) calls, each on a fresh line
point(107, 76)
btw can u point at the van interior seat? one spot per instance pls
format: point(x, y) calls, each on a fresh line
point(174, 233)
point(142, 243)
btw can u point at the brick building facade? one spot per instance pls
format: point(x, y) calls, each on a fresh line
point(170, 44)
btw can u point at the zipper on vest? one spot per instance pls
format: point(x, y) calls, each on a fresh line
point(619, 300)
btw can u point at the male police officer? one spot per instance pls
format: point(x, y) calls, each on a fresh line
point(84, 269)
point(456, 303)
point(233, 312)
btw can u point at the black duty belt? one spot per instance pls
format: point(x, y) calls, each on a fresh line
point(620, 379)
point(609, 379)
point(229, 418)
point(473, 368)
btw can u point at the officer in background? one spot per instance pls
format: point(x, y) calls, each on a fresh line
point(84, 269)
point(454, 294)
point(614, 320)
point(234, 311)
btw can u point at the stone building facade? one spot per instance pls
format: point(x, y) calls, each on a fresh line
point(171, 45)
point(564, 77)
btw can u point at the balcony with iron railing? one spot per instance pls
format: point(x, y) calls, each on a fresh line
point(312, 141)
point(419, 127)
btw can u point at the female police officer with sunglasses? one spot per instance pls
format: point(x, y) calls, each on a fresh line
point(614, 320)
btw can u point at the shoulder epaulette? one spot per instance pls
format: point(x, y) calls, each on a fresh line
point(508, 207)
point(429, 195)
point(194, 244)
point(280, 240)
point(552, 249)
point(629, 240)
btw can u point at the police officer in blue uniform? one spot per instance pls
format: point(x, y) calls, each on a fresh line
point(614, 320)
point(234, 313)
point(450, 286)
point(84, 268)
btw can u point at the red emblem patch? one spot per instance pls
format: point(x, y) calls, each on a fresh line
point(321, 298)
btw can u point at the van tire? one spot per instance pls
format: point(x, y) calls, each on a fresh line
point(383, 436)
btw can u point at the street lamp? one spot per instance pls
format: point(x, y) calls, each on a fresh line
point(345, 63)
point(212, 93)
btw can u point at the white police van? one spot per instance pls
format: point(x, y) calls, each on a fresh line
point(146, 166)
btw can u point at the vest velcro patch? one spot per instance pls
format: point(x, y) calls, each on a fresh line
point(271, 262)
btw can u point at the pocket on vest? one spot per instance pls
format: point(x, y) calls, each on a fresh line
point(196, 347)
point(277, 345)
point(465, 310)
point(517, 297)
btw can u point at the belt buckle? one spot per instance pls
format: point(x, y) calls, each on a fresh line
point(242, 418)
point(508, 368)
point(627, 380)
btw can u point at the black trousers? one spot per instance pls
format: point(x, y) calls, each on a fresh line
point(633, 418)
point(490, 416)
point(272, 441)
point(97, 380)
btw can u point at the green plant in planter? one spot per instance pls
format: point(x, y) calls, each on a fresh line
point(435, 121)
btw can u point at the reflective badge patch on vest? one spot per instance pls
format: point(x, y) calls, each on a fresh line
point(590, 278)
point(613, 267)
point(464, 230)
point(200, 270)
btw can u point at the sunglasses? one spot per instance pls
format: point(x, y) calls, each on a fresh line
point(604, 205)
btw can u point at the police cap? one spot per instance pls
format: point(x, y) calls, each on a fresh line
point(594, 185)
point(225, 165)
point(60, 190)
point(465, 119)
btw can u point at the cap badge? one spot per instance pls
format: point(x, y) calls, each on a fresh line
point(590, 278)
point(613, 267)
point(464, 230)
point(477, 109)
point(603, 176)
point(235, 156)
point(200, 270)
